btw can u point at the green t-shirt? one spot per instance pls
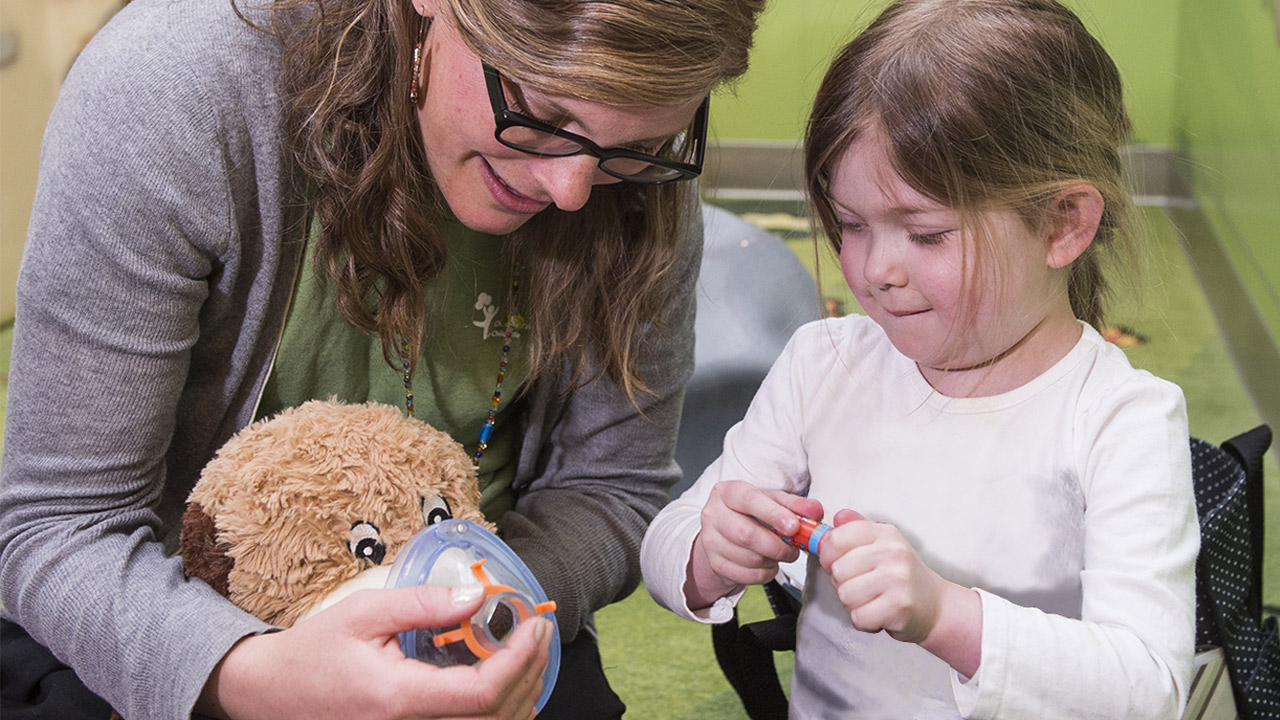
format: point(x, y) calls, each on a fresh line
point(322, 357)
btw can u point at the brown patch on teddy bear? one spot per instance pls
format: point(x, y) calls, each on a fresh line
point(202, 557)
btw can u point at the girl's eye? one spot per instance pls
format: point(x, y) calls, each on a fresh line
point(930, 238)
point(851, 226)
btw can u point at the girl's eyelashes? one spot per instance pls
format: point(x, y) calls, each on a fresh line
point(933, 238)
point(848, 225)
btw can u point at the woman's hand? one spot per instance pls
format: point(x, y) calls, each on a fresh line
point(346, 662)
point(882, 582)
point(734, 547)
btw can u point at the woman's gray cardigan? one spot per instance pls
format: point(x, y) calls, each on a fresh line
point(163, 244)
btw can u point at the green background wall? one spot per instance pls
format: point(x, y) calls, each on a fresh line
point(797, 38)
point(1226, 122)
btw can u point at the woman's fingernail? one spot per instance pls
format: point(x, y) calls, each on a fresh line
point(466, 594)
point(542, 633)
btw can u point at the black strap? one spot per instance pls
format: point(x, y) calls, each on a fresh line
point(1248, 448)
point(745, 654)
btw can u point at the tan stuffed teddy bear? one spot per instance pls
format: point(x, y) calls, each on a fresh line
point(297, 511)
point(294, 508)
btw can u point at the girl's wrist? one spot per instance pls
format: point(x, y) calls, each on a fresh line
point(702, 586)
point(956, 636)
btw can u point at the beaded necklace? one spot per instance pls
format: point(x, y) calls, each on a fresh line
point(514, 322)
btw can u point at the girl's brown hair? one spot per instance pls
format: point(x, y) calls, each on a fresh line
point(595, 279)
point(983, 104)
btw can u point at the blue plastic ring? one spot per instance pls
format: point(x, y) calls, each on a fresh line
point(816, 537)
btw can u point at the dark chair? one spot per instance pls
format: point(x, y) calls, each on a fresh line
point(753, 293)
point(1228, 481)
point(1228, 487)
point(745, 653)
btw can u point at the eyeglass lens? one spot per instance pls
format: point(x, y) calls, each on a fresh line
point(542, 142)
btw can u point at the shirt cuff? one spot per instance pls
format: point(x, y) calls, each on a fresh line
point(721, 611)
point(971, 699)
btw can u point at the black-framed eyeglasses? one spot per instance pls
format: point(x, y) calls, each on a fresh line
point(528, 135)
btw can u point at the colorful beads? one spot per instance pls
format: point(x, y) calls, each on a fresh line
point(514, 322)
point(408, 376)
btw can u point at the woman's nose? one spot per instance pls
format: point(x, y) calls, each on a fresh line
point(568, 180)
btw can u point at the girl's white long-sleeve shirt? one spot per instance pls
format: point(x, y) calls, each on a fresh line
point(1066, 502)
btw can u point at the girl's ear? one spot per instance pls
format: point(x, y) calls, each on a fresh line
point(1077, 211)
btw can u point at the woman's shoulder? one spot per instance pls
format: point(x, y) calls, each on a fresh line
point(163, 49)
point(171, 115)
point(171, 92)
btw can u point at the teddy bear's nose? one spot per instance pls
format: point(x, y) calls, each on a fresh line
point(366, 543)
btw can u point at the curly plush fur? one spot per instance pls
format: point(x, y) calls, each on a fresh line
point(294, 506)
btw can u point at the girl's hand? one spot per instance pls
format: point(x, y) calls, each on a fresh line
point(880, 578)
point(734, 547)
point(346, 662)
point(883, 583)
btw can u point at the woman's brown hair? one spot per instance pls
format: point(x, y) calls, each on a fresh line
point(595, 279)
point(983, 104)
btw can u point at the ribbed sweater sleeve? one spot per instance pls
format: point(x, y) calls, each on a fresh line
point(146, 287)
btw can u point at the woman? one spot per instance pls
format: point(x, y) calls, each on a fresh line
point(244, 207)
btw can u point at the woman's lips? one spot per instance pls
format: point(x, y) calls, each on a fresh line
point(509, 199)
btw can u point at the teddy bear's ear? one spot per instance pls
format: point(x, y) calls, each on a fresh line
point(203, 557)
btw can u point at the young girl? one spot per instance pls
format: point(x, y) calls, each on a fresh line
point(1014, 526)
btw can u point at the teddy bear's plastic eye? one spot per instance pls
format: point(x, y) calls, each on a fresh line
point(435, 509)
point(366, 543)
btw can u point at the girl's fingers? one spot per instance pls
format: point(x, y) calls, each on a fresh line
point(874, 615)
point(793, 505)
point(750, 501)
point(856, 562)
point(733, 519)
point(777, 509)
point(845, 516)
point(858, 589)
point(744, 566)
point(851, 532)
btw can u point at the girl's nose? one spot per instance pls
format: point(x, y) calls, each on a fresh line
point(883, 267)
point(568, 180)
